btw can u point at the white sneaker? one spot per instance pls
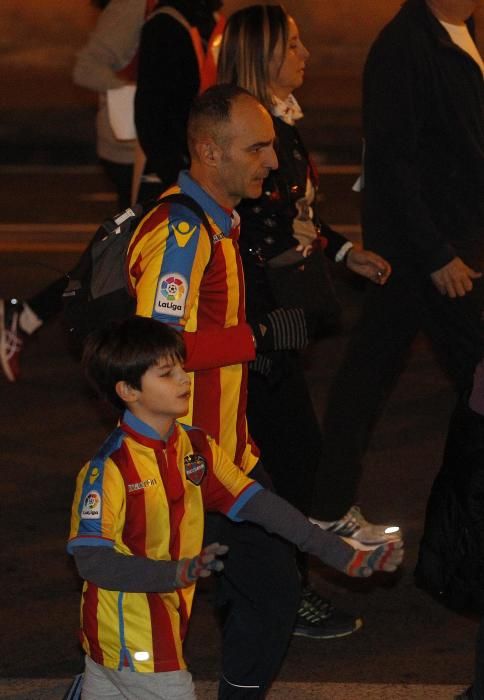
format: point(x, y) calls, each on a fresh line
point(355, 527)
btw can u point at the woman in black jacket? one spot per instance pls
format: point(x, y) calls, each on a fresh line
point(263, 53)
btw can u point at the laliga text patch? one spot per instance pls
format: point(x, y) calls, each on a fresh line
point(91, 508)
point(171, 294)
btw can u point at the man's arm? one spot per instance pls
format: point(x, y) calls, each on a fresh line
point(155, 259)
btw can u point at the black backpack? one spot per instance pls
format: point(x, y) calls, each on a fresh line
point(98, 292)
point(451, 558)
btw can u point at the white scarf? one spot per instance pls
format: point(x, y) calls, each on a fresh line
point(288, 110)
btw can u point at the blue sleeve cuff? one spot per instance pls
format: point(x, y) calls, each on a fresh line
point(244, 497)
point(88, 542)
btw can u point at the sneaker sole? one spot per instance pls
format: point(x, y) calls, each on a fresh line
point(332, 635)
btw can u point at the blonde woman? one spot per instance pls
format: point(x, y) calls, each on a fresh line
point(263, 53)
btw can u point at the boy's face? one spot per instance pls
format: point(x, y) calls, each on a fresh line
point(165, 392)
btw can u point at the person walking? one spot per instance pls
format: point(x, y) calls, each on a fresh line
point(423, 209)
point(263, 53)
point(190, 277)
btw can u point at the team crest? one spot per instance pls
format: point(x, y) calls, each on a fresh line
point(195, 468)
point(91, 507)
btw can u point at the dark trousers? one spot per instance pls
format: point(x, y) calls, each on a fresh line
point(257, 599)
point(286, 430)
point(478, 684)
point(48, 302)
point(391, 317)
point(284, 426)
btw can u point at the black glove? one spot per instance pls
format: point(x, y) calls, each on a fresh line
point(285, 330)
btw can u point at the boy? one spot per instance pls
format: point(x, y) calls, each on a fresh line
point(138, 512)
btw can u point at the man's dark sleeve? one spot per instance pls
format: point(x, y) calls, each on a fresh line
point(168, 80)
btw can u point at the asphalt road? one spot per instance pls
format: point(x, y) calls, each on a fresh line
point(49, 425)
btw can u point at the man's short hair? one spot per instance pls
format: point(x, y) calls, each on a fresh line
point(212, 110)
point(125, 351)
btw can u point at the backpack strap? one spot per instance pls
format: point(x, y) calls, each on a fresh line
point(173, 12)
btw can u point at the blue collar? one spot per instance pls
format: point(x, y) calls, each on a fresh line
point(188, 186)
point(143, 428)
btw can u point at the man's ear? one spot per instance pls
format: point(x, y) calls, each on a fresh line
point(208, 152)
point(126, 392)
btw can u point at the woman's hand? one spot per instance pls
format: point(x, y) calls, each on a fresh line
point(305, 249)
point(368, 264)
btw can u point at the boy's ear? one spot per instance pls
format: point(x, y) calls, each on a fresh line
point(126, 392)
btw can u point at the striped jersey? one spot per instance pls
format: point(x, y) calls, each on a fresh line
point(192, 279)
point(146, 497)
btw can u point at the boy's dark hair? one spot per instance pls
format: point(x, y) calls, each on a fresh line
point(125, 351)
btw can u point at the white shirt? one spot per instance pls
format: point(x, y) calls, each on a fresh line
point(461, 37)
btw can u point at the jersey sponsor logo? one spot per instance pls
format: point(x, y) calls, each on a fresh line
point(195, 468)
point(91, 508)
point(183, 231)
point(171, 294)
point(141, 485)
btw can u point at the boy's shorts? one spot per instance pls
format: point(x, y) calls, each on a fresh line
point(102, 683)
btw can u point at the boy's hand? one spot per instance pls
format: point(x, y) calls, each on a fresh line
point(365, 561)
point(201, 566)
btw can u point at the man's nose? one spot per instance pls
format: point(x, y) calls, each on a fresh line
point(271, 159)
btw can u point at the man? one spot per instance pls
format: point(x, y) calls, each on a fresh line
point(423, 210)
point(190, 277)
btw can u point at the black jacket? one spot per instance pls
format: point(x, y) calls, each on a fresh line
point(168, 80)
point(423, 114)
point(451, 557)
point(267, 222)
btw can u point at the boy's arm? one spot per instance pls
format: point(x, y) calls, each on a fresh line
point(277, 516)
point(118, 572)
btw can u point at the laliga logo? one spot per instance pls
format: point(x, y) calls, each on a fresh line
point(91, 507)
point(171, 294)
point(172, 288)
point(92, 501)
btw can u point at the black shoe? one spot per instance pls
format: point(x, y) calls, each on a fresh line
point(321, 620)
point(466, 695)
point(322, 606)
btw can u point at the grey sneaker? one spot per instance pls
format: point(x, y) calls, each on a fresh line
point(355, 527)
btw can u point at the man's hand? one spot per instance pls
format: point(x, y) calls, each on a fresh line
point(455, 278)
point(368, 264)
point(201, 566)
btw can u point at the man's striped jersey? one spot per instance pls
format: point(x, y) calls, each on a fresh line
point(147, 497)
point(181, 277)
